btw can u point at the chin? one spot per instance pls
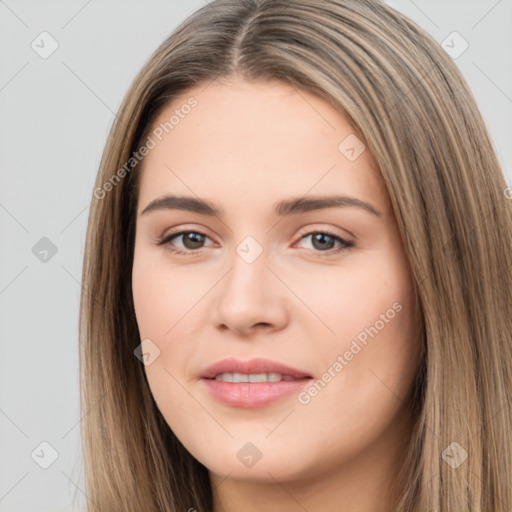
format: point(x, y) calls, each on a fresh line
point(243, 462)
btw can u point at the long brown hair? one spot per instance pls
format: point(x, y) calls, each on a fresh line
point(411, 106)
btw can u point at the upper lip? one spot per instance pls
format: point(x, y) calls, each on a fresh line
point(253, 366)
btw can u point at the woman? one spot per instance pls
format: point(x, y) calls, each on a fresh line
point(227, 350)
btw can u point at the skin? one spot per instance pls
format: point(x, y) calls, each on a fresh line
point(244, 147)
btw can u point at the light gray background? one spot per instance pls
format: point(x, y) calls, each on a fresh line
point(55, 116)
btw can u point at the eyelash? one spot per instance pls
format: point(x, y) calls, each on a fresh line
point(331, 252)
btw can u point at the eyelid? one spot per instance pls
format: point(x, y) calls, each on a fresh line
point(185, 228)
point(322, 229)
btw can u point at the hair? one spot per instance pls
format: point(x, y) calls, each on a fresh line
point(410, 105)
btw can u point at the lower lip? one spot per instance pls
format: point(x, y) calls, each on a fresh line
point(253, 394)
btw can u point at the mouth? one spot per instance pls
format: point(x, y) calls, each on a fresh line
point(253, 377)
point(254, 383)
point(255, 368)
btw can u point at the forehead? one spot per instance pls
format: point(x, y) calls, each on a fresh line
point(245, 141)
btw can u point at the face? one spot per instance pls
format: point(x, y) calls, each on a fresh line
point(321, 291)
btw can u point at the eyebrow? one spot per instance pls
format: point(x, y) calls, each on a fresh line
point(282, 208)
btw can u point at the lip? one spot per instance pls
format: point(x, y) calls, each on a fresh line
point(258, 365)
point(252, 394)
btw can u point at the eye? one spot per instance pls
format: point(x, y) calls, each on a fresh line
point(191, 240)
point(324, 240)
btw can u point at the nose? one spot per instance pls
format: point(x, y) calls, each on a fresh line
point(251, 298)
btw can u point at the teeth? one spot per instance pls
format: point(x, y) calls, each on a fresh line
point(253, 377)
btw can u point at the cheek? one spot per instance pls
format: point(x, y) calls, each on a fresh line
point(368, 298)
point(161, 299)
point(371, 352)
point(164, 295)
point(365, 372)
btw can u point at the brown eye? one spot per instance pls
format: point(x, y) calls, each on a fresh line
point(324, 242)
point(191, 241)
